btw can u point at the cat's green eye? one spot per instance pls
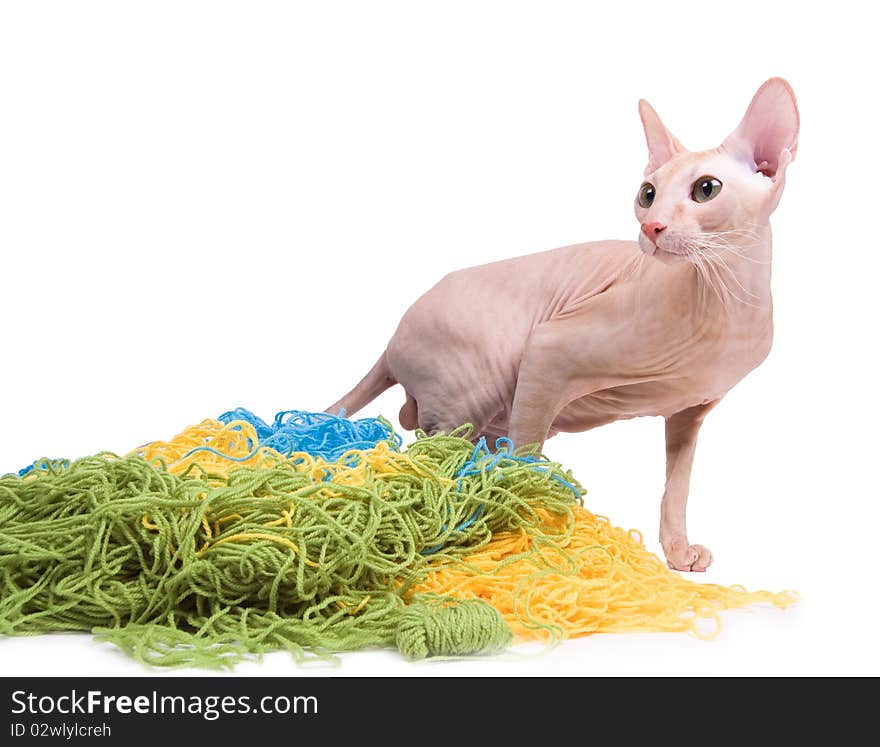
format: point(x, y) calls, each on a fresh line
point(705, 188)
point(646, 195)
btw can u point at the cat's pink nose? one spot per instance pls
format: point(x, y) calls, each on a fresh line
point(652, 230)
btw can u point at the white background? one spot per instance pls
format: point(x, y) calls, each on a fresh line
point(205, 205)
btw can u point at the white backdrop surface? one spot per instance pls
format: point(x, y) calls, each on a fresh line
point(206, 205)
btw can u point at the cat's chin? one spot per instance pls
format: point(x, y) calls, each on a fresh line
point(660, 254)
point(668, 258)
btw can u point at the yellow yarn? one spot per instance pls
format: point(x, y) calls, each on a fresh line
point(237, 440)
point(244, 536)
point(598, 579)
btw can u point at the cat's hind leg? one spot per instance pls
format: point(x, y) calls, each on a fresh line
point(445, 414)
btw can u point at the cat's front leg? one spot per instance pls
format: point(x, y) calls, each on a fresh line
point(681, 443)
point(541, 384)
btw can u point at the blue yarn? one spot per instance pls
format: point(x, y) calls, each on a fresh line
point(483, 460)
point(317, 433)
point(44, 465)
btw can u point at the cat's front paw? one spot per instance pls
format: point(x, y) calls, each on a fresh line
point(681, 556)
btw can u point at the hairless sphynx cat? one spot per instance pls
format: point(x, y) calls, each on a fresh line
point(573, 338)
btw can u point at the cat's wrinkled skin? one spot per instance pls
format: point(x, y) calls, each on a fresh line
point(577, 337)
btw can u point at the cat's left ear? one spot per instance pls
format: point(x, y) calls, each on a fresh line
point(766, 139)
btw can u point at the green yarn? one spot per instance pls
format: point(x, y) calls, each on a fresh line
point(122, 548)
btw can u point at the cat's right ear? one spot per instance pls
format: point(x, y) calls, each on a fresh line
point(662, 144)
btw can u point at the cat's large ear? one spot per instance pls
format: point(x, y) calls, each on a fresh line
point(767, 137)
point(662, 144)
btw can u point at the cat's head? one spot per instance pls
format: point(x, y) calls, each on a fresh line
point(694, 199)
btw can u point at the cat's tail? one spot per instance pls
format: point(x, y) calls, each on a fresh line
point(368, 388)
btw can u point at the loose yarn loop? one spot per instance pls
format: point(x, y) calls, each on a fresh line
point(228, 541)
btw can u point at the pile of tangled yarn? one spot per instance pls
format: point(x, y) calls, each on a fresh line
point(318, 534)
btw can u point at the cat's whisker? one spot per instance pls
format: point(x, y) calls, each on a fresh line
point(711, 255)
point(726, 241)
point(710, 264)
point(697, 261)
point(735, 296)
point(714, 251)
point(735, 232)
point(714, 260)
point(723, 245)
point(714, 279)
point(715, 268)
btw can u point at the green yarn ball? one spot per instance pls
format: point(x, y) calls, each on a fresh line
point(445, 628)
